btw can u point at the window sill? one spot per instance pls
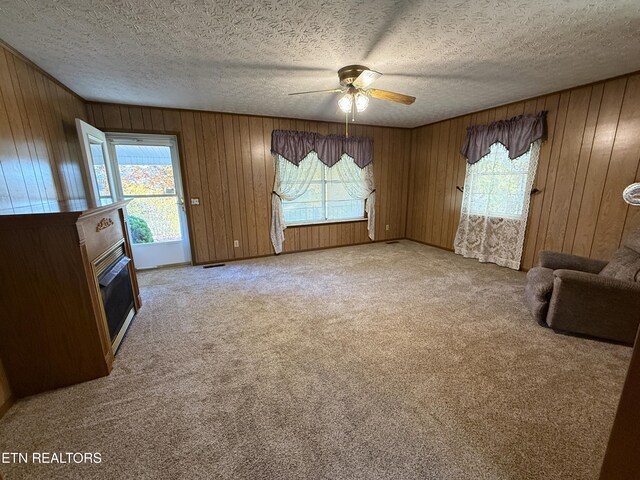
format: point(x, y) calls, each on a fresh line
point(326, 222)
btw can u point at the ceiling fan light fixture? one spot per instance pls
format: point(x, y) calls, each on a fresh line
point(631, 194)
point(362, 102)
point(346, 103)
point(355, 82)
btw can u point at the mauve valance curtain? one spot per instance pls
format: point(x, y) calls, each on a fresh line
point(296, 157)
point(294, 146)
point(502, 160)
point(516, 135)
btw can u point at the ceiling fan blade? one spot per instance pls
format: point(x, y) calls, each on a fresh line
point(391, 96)
point(366, 78)
point(317, 91)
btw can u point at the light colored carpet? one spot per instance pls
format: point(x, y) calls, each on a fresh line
point(389, 361)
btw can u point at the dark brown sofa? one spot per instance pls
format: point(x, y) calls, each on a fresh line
point(588, 297)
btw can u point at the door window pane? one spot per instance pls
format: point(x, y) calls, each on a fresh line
point(154, 219)
point(97, 156)
point(145, 170)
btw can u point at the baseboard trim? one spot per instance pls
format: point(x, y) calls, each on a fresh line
point(430, 244)
point(4, 408)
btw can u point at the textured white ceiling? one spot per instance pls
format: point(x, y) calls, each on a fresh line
point(245, 56)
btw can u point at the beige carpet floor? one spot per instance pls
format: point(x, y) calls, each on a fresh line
point(392, 361)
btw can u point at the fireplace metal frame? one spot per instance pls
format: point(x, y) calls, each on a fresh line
point(99, 265)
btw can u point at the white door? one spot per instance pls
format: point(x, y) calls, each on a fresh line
point(146, 171)
point(97, 165)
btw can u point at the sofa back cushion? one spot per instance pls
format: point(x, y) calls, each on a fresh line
point(633, 241)
point(625, 265)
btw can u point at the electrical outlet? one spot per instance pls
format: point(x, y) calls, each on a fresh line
point(387, 227)
point(195, 201)
point(236, 243)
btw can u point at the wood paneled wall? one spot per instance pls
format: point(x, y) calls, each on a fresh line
point(227, 164)
point(40, 158)
point(592, 152)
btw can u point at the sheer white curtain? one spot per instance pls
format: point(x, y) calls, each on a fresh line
point(291, 181)
point(359, 184)
point(495, 206)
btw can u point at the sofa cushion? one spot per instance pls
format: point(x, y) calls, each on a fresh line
point(540, 281)
point(633, 241)
point(538, 292)
point(624, 265)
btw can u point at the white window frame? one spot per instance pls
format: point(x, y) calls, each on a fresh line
point(494, 175)
point(324, 207)
point(90, 135)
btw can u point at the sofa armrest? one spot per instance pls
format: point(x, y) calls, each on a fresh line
point(558, 260)
point(595, 305)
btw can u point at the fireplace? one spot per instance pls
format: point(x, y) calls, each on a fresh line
point(114, 279)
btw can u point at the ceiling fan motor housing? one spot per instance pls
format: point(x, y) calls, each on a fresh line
point(348, 74)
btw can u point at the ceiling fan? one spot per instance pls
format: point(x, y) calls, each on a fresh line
point(354, 83)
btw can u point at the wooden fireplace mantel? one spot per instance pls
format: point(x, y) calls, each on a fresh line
point(53, 330)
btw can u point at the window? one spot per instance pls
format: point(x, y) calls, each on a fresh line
point(101, 174)
point(325, 200)
point(146, 177)
point(498, 185)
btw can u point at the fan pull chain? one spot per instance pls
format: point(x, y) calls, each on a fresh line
point(346, 124)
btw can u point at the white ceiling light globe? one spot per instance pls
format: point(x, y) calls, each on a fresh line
point(346, 103)
point(362, 102)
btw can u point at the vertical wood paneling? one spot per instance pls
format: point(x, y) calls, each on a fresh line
point(569, 153)
point(583, 165)
point(125, 118)
point(39, 151)
point(157, 120)
point(12, 144)
point(432, 160)
point(42, 147)
point(549, 103)
point(261, 194)
point(227, 164)
point(622, 171)
point(135, 116)
point(599, 158)
point(587, 158)
point(244, 137)
point(592, 152)
point(191, 164)
point(441, 173)
point(112, 117)
point(459, 180)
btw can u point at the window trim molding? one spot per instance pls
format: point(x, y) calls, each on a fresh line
point(327, 222)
